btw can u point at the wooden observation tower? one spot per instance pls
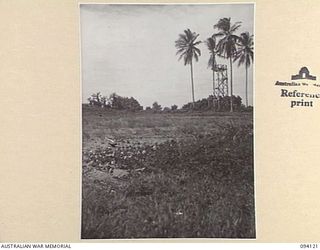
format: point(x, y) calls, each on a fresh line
point(220, 72)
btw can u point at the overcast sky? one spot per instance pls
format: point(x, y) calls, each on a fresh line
point(130, 50)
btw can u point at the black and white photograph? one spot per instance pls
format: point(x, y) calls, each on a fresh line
point(167, 121)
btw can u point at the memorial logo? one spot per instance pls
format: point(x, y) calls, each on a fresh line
point(303, 74)
point(302, 90)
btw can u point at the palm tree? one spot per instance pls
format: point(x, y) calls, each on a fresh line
point(245, 55)
point(186, 45)
point(211, 44)
point(227, 44)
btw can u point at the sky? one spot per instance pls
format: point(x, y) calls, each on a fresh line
point(130, 49)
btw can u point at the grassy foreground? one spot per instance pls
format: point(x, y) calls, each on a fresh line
point(170, 175)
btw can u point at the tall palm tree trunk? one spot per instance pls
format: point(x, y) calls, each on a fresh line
point(192, 84)
point(231, 86)
point(246, 86)
point(213, 86)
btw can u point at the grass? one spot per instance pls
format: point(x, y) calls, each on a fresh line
point(184, 175)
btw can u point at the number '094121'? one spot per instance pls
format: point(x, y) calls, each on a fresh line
point(308, 245)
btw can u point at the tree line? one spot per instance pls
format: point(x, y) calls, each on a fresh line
point(117, 102)
point(114, 101)
point(225, 43)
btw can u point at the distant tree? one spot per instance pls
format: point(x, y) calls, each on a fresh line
point(202, 105)
point(246, 109)
point(156, 107)
point(226, 101)
point(124, 103)
point(227, 44)
point(188, 106)
point(96, 99)
point(186, 46)
point(174, 107)
point(133, 104)
point(90, 100)
point(237, 103)
point(148, 108)
point(103, 101)
point(166, 109)
point(244, 55)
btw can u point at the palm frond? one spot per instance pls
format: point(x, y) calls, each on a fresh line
point(235, 26)
point(186, 46)
point(227, 45)
point(244, 54)
point(196, 56)
point(197, 51)
point(196, 43)
point(223, 24)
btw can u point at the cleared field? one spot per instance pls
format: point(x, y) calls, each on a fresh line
point(169, 175)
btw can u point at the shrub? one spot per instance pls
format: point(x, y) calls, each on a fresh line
point(174, 107)
point(219, 104)
point(156, 107)
point(124, 103)
point(166, 109)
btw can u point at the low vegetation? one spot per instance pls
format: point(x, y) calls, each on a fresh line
point(163, 175)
